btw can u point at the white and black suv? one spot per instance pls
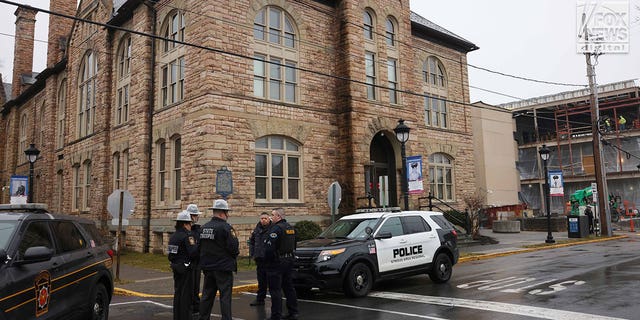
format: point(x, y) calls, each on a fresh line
point(360, 249)
point(52, 266)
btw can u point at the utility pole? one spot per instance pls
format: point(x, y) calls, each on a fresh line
point(598, 158)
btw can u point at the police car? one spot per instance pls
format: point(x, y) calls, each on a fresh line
point(52, 266)
point(360, 249)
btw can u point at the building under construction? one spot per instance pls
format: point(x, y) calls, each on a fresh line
point(563, 122)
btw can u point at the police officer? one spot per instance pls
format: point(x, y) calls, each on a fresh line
point(182, 250)
point(195, 230)
point(219, 249)
point(279, 248)
point(256, 250)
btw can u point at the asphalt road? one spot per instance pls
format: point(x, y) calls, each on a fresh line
point(592, 281)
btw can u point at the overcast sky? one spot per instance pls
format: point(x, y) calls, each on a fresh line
point(529, 39)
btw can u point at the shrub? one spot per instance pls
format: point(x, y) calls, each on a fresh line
point(306, 230)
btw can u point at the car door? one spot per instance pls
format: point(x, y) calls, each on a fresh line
point(29, 294)
point(422, 240)
point(388, 250)
point(74, 284)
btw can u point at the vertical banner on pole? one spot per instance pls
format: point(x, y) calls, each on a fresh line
point(414, 174)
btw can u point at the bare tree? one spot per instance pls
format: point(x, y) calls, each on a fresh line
point(475, 202)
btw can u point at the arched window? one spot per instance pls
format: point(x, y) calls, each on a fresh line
point(87, 86)
point(171, 60)
point(60, 114)
point(390, 33)
point(441, 176)
point(368, 25)
point(123, 80)
point(433, 72)
point(275, 76)
point(278, 170)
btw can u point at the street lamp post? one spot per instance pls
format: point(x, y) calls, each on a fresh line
point(544, 155)
point(32, 155)
point(402, 134)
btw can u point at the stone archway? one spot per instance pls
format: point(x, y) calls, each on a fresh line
point(383, 163)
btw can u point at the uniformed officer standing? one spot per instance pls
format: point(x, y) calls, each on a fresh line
point(219, 249)
point(256, 250)
point(195, 230)
point(279, 248)
point(182, 250)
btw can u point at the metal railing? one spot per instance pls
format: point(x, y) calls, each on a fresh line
point(457, 219)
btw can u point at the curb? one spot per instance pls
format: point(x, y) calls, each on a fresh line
point(525, 250)
point(254, 287)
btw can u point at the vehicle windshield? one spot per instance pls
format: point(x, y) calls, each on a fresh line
point(6, 230)
point(349, 229)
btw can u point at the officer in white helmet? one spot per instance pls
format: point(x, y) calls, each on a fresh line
point(182, 250)
point(195, 230)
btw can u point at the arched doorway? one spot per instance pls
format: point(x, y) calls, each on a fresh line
point(383, 163)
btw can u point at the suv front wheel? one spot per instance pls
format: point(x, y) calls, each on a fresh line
point(358, 281)
point(441, 269)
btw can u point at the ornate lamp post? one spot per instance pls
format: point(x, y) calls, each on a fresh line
point(544, 155)
point(32, 155)
point(402, 134)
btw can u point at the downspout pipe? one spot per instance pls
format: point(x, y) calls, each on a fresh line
point(151, 98)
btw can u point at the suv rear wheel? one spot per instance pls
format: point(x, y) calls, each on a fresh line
point(441, 269)
point(100, 303)
point(358, 281)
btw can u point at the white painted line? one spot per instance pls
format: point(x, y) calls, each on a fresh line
point(365, 308)
point(523, 310)
point(162, 305)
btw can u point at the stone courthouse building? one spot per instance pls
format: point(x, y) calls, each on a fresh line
point(156, 97)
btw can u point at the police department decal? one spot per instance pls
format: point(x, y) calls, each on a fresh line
point(42, 285)
point(407, 253)
point(273, 235)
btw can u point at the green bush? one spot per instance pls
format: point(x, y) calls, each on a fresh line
point(306, 230)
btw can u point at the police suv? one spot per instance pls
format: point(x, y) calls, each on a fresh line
point(52, 266)
point(360, 249)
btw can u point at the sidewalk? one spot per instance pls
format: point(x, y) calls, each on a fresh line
point(151, 283)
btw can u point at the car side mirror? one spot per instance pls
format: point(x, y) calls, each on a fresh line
point(36, 254)
point(384, 235)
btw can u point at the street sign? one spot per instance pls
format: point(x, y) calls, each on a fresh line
point(115, 221)
point(334, 196)
point(113, 203)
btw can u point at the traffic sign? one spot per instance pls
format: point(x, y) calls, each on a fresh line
point(113, 203)
point(335, 195)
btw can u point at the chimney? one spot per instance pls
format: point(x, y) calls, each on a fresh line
point(23, 48)
point(59, 29)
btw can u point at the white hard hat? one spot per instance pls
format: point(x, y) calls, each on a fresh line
point(193, 209)
point(183, 216)
point(220, 205)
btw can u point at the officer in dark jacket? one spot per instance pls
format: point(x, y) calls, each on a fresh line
point(182, 250)
point(256, 250)
point(218, 252)
point(195, 230)
point(279, 248)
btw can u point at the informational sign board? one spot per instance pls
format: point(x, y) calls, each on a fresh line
point(414, 174)
point(19, 189)
point(224, 182)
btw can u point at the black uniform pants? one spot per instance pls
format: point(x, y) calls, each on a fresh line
point(279, 278)
point(182, 294)
point(196, 287)
point(261, 272)
point(215, 281)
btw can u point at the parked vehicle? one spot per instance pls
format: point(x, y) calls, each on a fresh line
point(52, 266)
point(360, 249)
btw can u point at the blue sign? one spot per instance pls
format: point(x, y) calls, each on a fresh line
point(573, 225)
point(224, 182)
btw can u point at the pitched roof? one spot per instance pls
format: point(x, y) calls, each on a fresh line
point(441, 34)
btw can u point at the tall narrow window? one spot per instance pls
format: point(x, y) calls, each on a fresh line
point(60, 114)
point(162, 170)
point(172, 60)
point(390, 33)
point(59, 190)
point(86, 187)
point(393, 80)
point(77, 188)
point(278, 170)
point(87, 95)
point(368, 25)
point(173, 31)
point(173, 82)
point(275, 75)
point(22, 146)
point(370, 70)
point(441, 176)
point(125, 169)
point(116, 171)
point(177, 169)
point(123, 80)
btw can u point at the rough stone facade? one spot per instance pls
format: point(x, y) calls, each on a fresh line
point(219, 118)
